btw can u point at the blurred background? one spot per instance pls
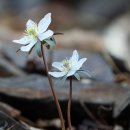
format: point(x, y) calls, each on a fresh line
point(98, 29)
point(91, 24)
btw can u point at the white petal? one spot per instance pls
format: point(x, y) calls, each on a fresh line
point(79, 64)
point(30, 24)
point(75, 56)
point(44, 23)
point(58, 65)
point(57, 74)
point(45, 35)
point(24, 40)
point(71, 72)
point(28, 47)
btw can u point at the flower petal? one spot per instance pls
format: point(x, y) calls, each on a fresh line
point(58, 65)
point(28, 47)
point(71, 72)
point(30, 24)
point(79, 64)
point(24, 40)
point(75, 56)
point(45, 35)
point(44, 23)
point(57, 74)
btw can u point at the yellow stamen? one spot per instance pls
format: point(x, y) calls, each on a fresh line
point(32, 32)
point(67, 65)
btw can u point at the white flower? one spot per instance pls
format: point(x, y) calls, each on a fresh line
point(36, 33)
point(68, 67)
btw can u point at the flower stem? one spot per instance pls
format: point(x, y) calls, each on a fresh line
point(69, 105)
point(52, 89)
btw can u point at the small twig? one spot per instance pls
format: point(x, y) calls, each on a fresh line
point(10, 128)
point(13, 112)
point(88, 112)
point(99, 125)
point(105, 108)
point(109, 59)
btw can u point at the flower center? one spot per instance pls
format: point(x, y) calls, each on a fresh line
point(67, 65)
point(32, 31)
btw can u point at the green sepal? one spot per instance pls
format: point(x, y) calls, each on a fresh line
point(77, 76)
point(50, 43)
point(38, 48)
point(61, 81)
point(84, 73)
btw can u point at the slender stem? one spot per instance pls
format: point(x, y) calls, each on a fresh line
point(53, 91)
point(69, 105)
